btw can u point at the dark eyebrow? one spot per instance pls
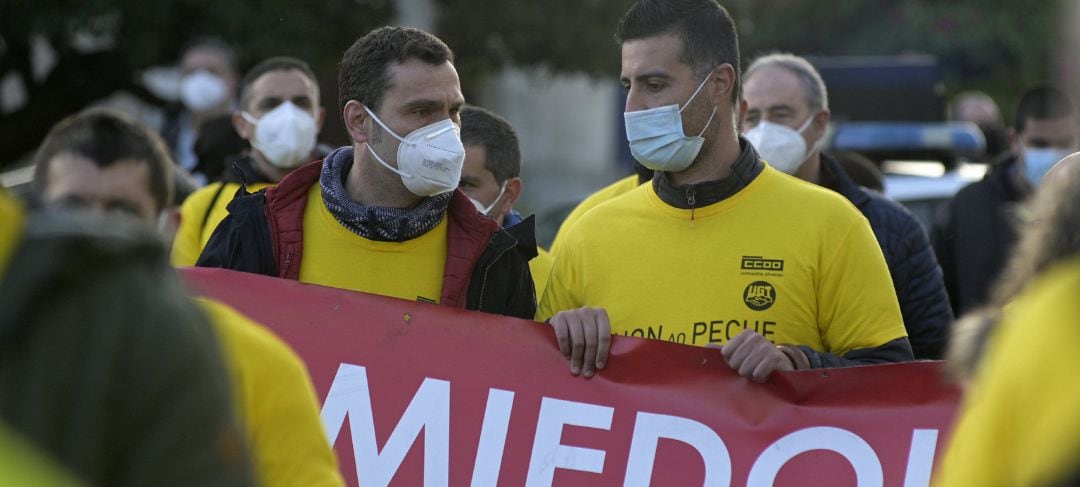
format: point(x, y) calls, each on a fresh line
point(648, 75)
point(429, 104)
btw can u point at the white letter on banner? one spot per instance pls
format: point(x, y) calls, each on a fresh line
point(921, 458)
point(851, 446)
point(548, 454)
point(649, 428)
point(429, 411)
point(489, 453)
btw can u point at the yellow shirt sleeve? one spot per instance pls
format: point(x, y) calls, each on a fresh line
point(540, 268)
point(277, 402)
point(857, 302)
point(617, 188)
point(1019, 423)
point(563, 289)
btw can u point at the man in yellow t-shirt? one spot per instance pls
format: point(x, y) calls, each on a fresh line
point(281, 137)
point(383, 215)
point(270, 385)
point(719, 249)
point(491, 178)
point(1019, 423)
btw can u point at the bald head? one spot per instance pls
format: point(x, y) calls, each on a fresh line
point(977, 107)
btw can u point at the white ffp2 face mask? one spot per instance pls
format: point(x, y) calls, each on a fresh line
point(202, 90)
point(284, 135)
point(657, 139)
point(429, 158)
point(779, 145)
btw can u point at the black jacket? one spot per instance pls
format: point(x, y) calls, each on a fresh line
point(916, 276)
point(487, 268)
point(975, 233)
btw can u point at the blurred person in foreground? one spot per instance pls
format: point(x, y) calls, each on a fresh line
point(719, 249)
point(384, 215)
point(1020, 420)
point(786, 119)
point(491, 177)
point(105, 366)
point(199, 131)
point(280, 114)
point(102, 163)
point(975, 232)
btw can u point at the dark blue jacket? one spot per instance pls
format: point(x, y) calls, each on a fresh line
point(975, 233)
point(920, 287)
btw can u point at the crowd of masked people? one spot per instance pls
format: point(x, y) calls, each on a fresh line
point(737, 231)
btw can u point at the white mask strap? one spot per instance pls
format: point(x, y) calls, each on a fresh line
point(381, 161)
point(381, 124)
point(502, 189)
point(707, 123)
point(698, 90)
point(807, 123)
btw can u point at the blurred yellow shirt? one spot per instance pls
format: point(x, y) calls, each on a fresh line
point(1020, 421)
point(275, 398)
point(12, 217)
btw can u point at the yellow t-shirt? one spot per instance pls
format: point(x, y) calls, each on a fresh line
point(275, 398)
point(196, 226)
point(12, 217)
point(795, 262)
point(335, 256)
point(1020, 422)
point(604, 194)
point(540, 268)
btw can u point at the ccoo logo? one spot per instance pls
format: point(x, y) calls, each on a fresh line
point(759, 295)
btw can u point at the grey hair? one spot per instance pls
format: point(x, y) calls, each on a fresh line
point(817, 96)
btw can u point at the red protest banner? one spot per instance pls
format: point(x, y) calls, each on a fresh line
point(419, 394)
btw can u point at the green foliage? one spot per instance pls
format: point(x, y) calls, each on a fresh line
point(563, 35)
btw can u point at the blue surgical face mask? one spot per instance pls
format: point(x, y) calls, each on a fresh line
point(657, 139)
point(1038, 161)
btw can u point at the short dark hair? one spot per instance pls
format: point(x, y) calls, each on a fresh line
point(211, 43)
point(1042, 102)
point(107, 137)
point(708, 34)
point(498, 138)
point(363, 76)
point(279, 63)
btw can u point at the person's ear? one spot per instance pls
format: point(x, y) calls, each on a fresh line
point(722, 84)
point(241, 126)
point(1015, 143)
point(356, 121)
point(821, 122)
point(514, 187)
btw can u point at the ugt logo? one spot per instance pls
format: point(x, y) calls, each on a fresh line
point(759, 295)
